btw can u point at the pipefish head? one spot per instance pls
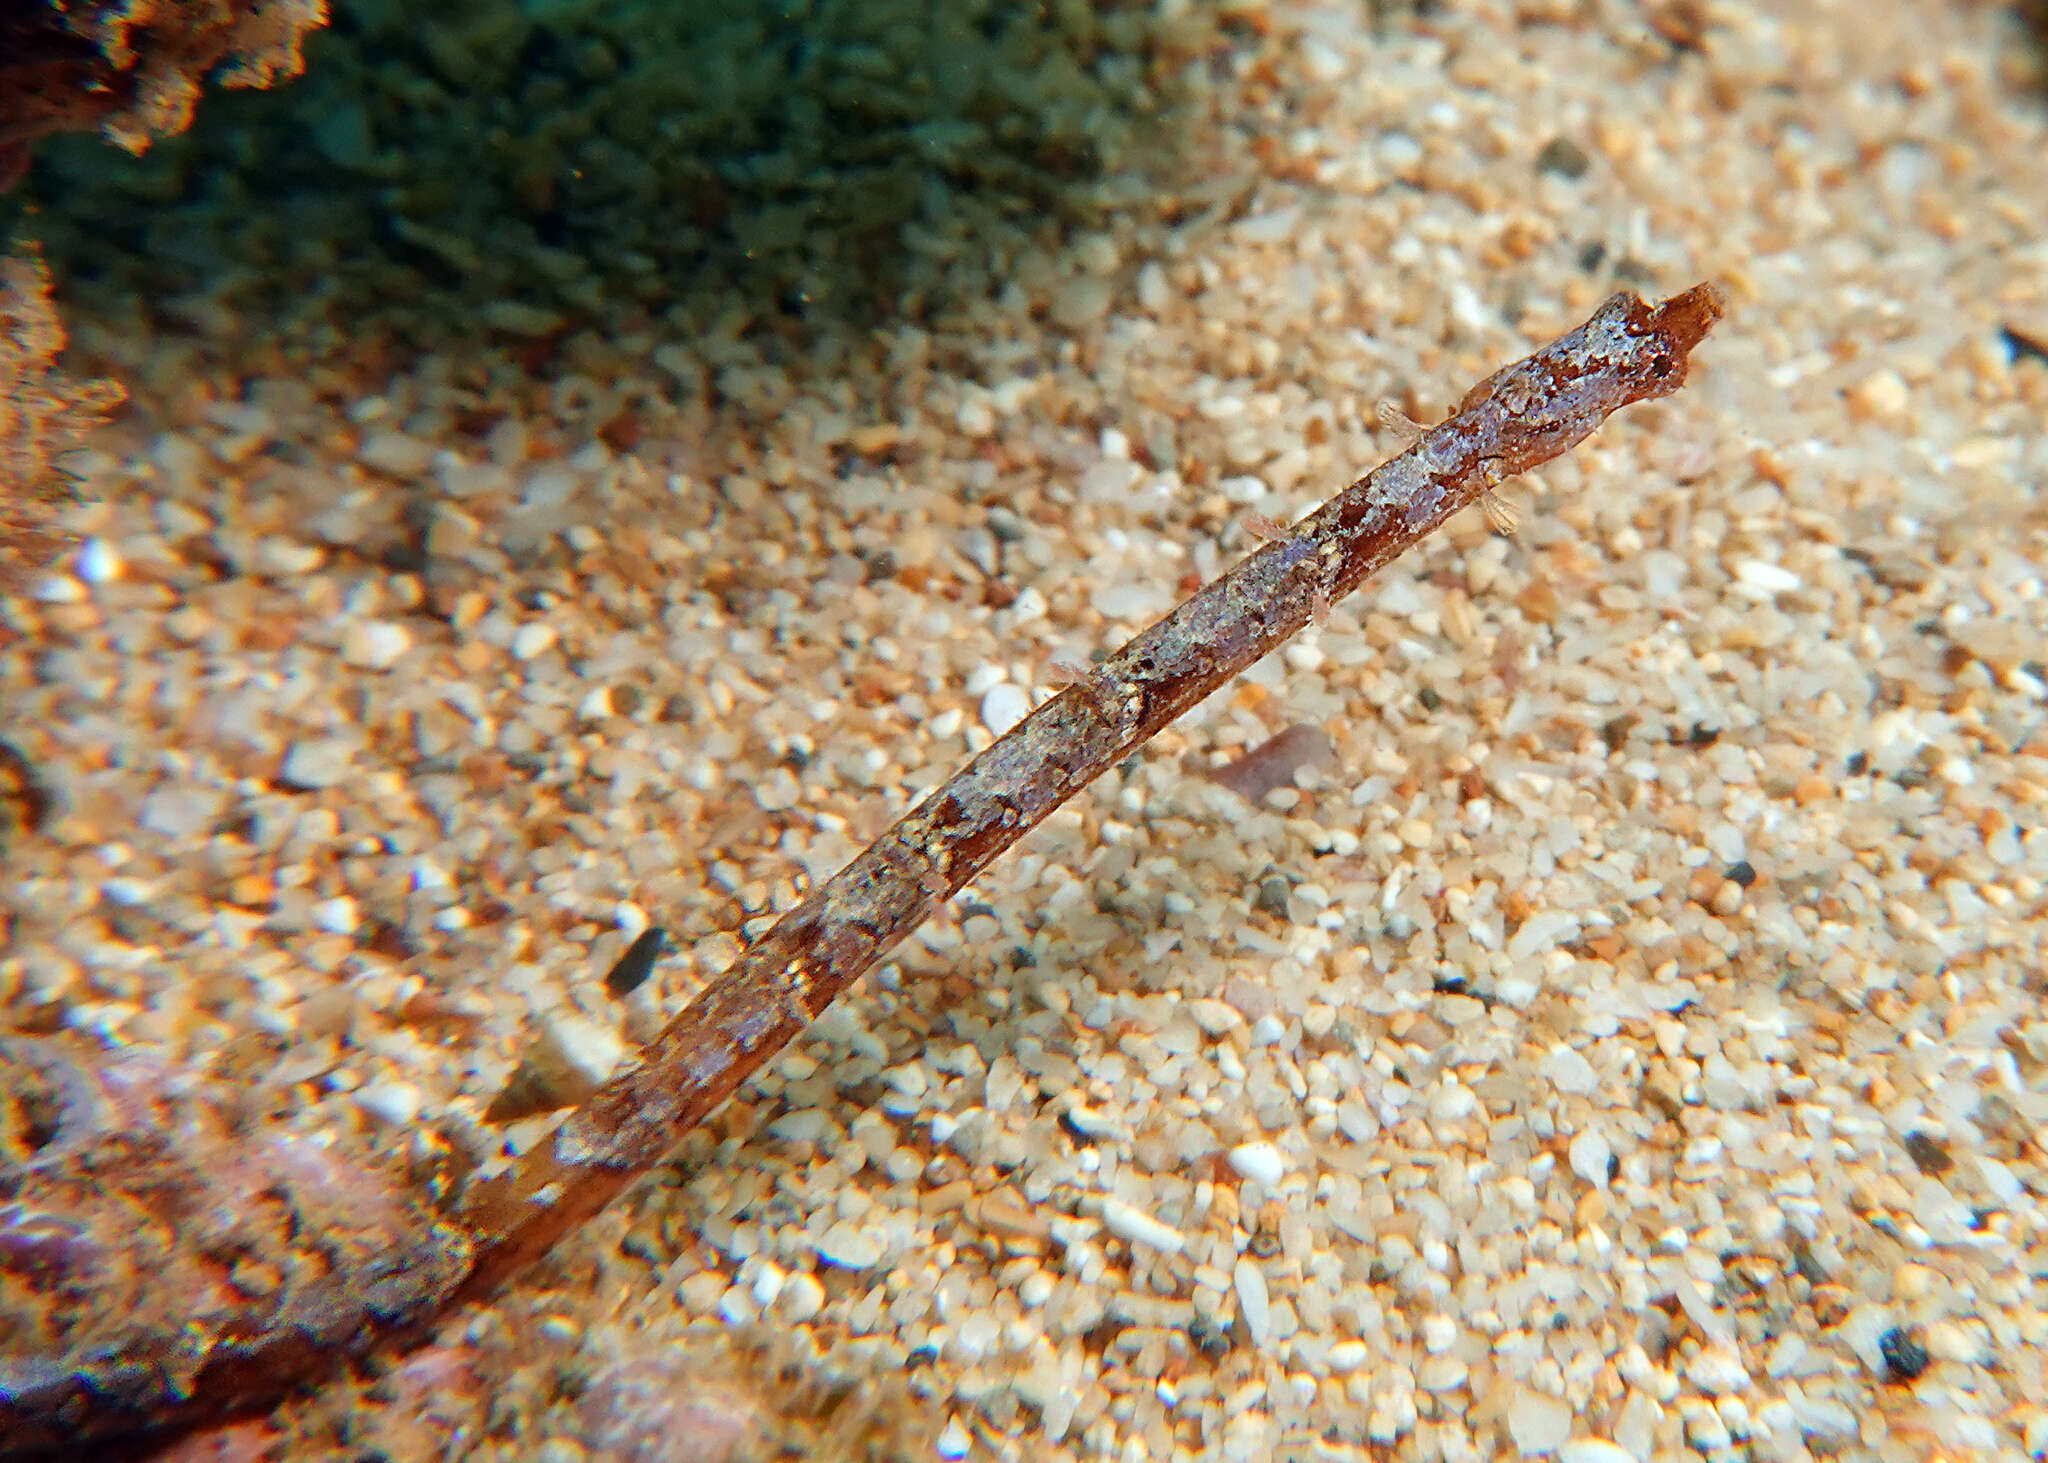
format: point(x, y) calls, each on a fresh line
point(1629, 351)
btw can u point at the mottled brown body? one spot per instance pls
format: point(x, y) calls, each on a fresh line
point(1522, 415)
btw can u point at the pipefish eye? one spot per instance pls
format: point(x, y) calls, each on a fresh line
point(1660, 365)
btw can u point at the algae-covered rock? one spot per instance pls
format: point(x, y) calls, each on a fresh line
point(808, 155)
point(42, 415)
point(133, 68)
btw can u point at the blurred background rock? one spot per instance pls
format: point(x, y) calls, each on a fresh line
point(521, 168)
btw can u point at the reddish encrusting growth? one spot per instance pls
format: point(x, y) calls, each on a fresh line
point(1521, 416)
point(165, 1259)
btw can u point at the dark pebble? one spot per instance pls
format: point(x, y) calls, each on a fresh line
point(1563, 157)
point(1274, 892)
point(1929, 1154)
point(1210, 1339)
point(1904, 1357)
point(633, 967)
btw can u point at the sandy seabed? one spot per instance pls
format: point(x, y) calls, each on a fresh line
point(1627, 1043)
